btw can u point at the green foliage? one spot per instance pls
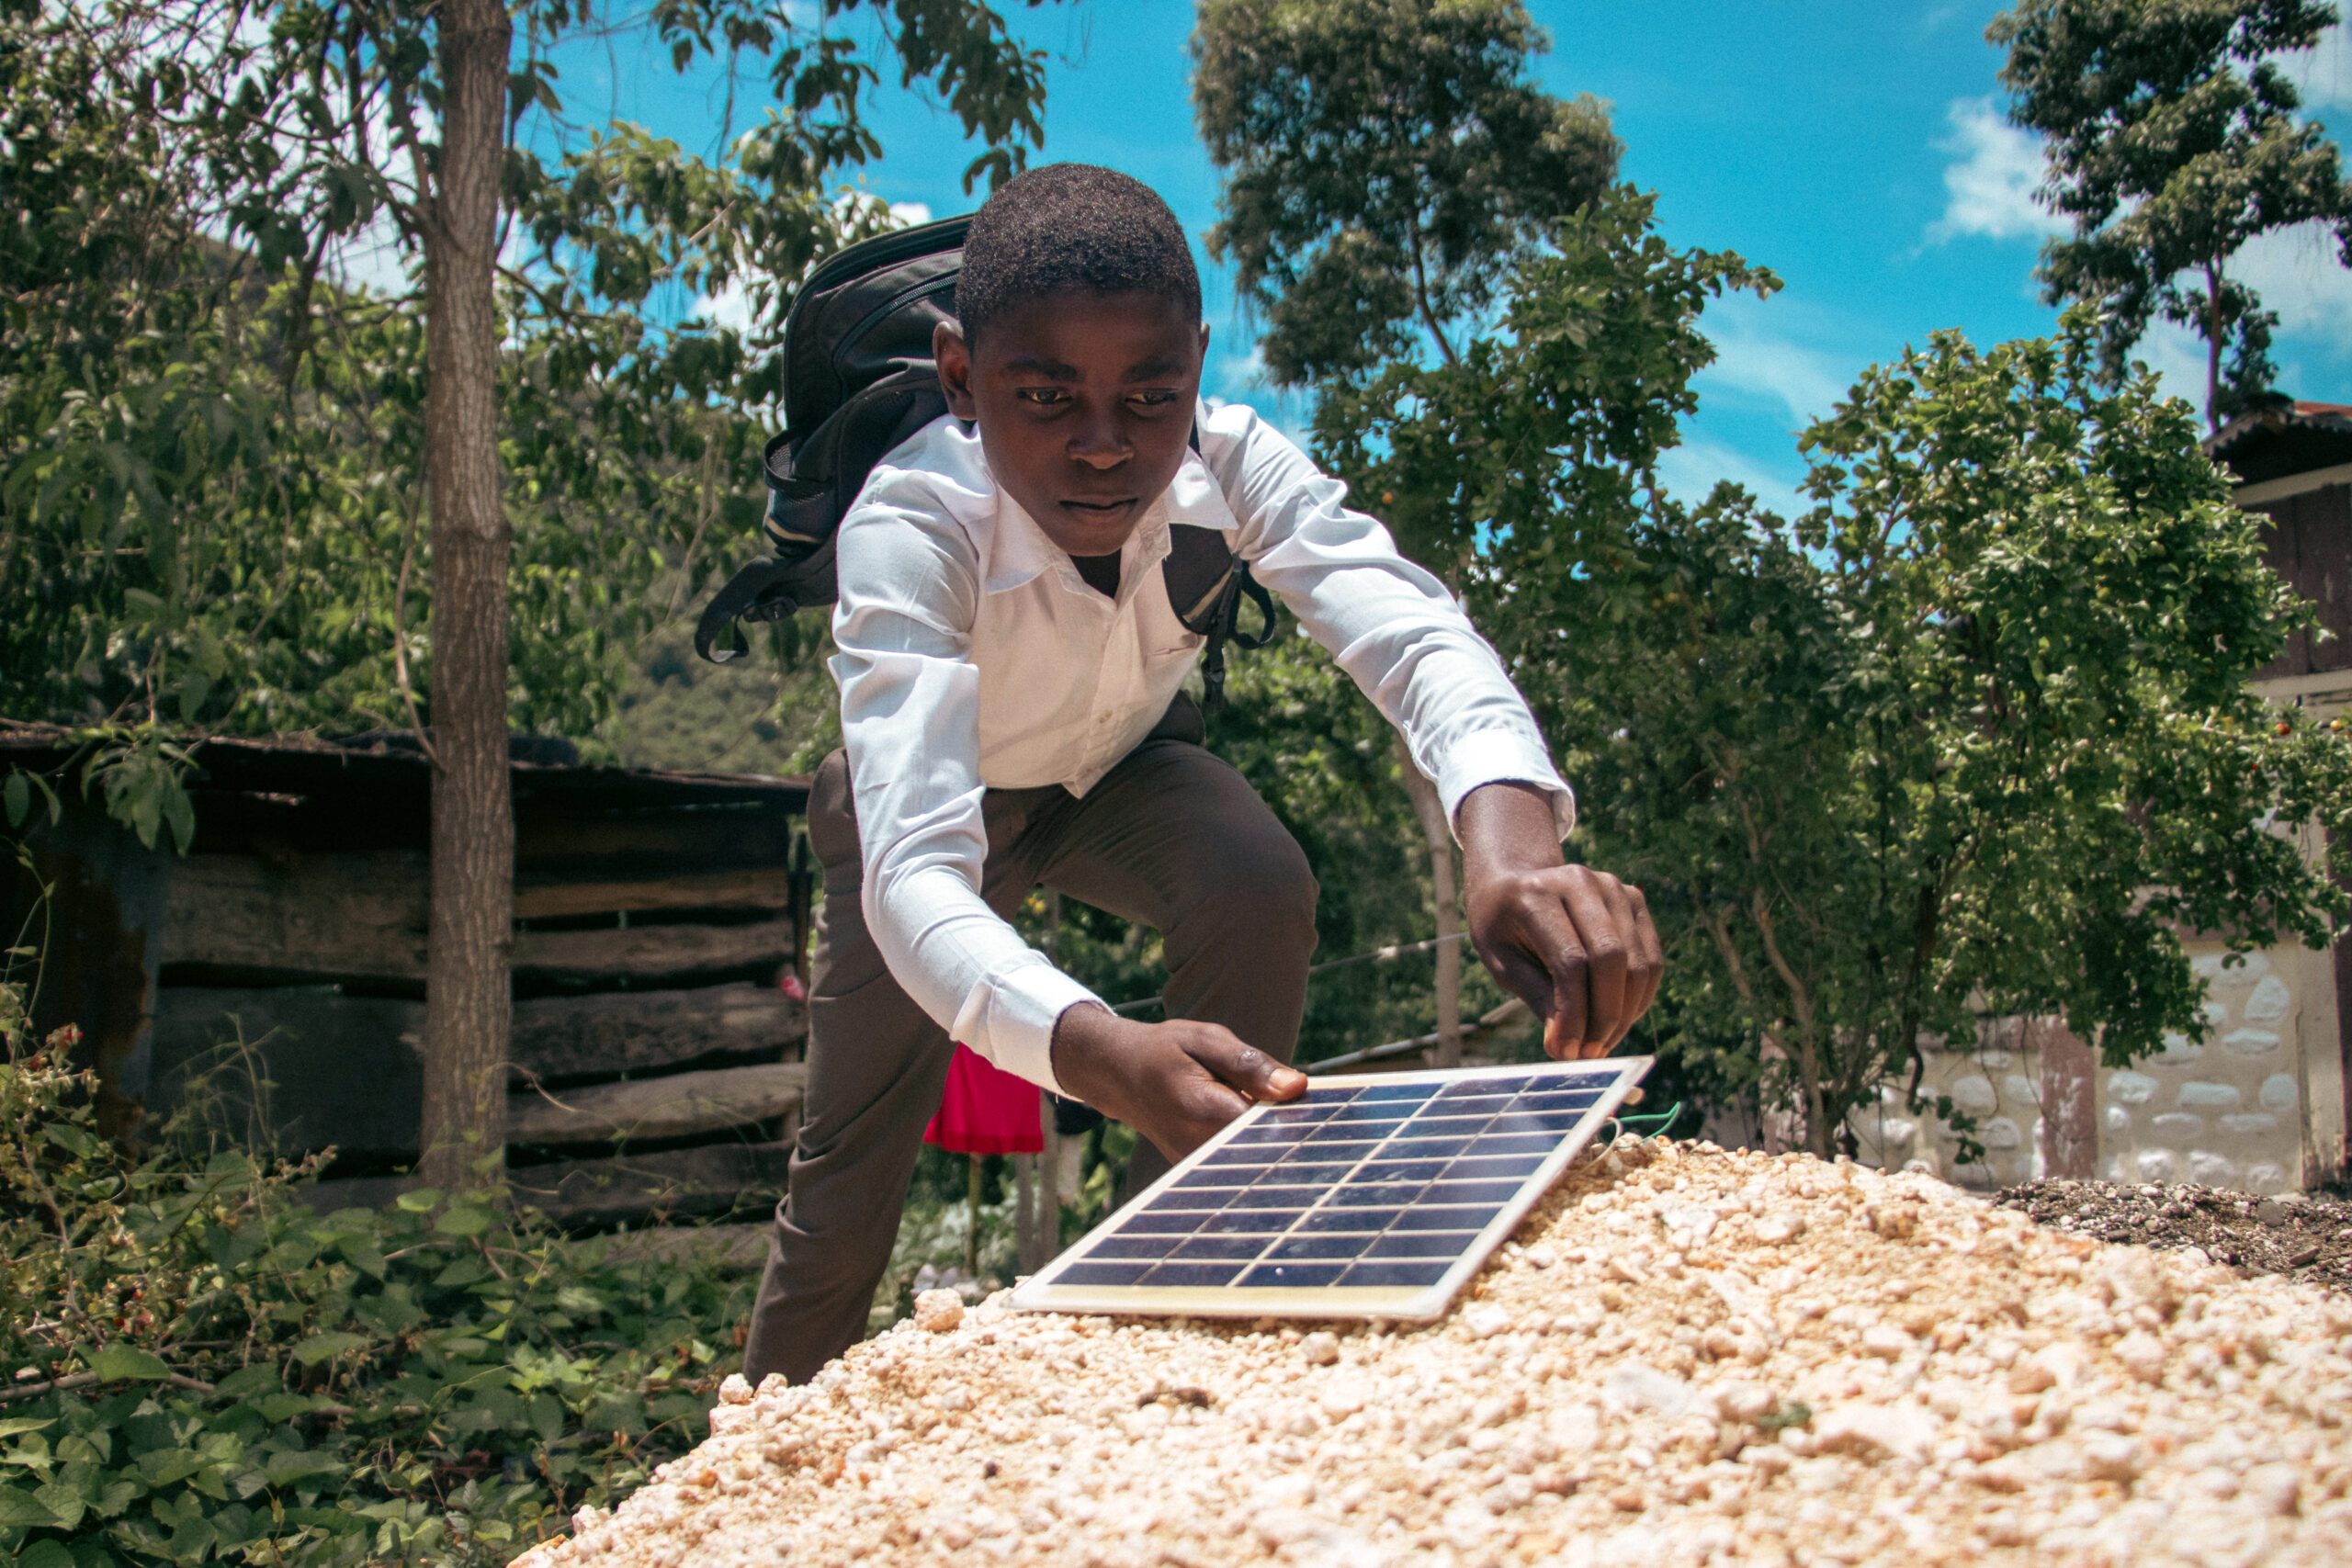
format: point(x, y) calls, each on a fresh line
point(679, 711)
point(212, 454)
point(201, 1369)
point(1970, 736)
point(1385, 160)
point(1326, 762)
point(2172, 141)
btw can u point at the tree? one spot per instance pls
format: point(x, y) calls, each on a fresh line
point(1383, 161)
point(1970, 736)
point(1383, 164)
point(292, 133)
point(2172, 141)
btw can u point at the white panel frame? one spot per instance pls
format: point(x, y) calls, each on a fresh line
point(1413, 1303)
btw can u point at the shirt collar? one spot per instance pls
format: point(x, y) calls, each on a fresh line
point(1019, 549)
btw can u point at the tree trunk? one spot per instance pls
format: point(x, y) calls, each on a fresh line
point(1440, 837)
point(2212, 348)
point(468, 993)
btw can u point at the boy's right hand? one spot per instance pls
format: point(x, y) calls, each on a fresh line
point(1175, 1083)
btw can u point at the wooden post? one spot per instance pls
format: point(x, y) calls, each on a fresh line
point(1039, 1174)
point(972, 1231)
point(1438, 835)
point(468, 993)
point(2069, 1098)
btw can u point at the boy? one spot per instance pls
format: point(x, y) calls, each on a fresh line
point(1012, 713)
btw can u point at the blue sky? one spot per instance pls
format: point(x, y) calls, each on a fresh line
point(1856, 149)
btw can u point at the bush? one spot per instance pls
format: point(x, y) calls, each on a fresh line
point(194, 1367)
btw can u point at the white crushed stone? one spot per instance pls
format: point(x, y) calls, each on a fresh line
point(1630, 1388)
point(939, 1312)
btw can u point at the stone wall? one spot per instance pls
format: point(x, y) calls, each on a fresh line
point(1997, 1086)
point(2257, 1106)
point(2239, 1108)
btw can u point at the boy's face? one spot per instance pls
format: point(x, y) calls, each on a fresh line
point(1085, 405)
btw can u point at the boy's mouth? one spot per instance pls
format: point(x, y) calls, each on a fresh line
point(1099, 511)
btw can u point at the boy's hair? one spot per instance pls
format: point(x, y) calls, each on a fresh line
point(1071, 228)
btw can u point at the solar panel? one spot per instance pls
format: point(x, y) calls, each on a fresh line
point(1369, 1196)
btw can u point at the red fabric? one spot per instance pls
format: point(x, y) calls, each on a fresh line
point(987, 1111)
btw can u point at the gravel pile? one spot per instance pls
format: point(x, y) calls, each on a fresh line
point(1688, 1356)
point(2306, 1234)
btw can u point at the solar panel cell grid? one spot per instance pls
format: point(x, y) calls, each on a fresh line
point(1366, 1197)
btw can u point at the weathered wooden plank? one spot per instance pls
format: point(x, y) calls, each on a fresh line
point(675, 1106)
point(563, 843)
point(733, 887)
point(712, 1179)
point(617, 1032)
point(358, 916)
point(347, 1070)
point(651, 953)
point(738, 1246)
point(340, 1069)
point(362, 917)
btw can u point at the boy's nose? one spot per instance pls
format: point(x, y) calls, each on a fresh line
point(1100, 443)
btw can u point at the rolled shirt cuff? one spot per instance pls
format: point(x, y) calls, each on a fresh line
point(1009, 1019)
point(1500, 757)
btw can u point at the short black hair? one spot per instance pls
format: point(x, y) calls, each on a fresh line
point(1071, 228)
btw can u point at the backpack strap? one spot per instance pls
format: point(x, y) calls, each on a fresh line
point(1206, 584)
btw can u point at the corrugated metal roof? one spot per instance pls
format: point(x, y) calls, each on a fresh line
point(2291, 438)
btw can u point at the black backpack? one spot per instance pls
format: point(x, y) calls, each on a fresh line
point(858, 381)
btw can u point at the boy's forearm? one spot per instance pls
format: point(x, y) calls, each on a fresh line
point(1575, 943)
point(1506, 827)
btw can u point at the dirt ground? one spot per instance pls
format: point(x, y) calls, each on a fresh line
point(2305, 1236)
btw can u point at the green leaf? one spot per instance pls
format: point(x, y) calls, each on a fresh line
point(246, 1383)
point(321, 1347)
point(19, 1424)
point(465, 1219)
point(127, 1363)
point(420, 1200)
point(165, 1466)
point(20, 1509)
point(180, 812)
point(46, 1554)
point(283, 1406)
point(18, 797)
point(301, 1464)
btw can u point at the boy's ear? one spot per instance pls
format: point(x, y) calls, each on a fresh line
point(954, 358)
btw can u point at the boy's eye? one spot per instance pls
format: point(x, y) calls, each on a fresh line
point(1043, 397)
point(1152, 399)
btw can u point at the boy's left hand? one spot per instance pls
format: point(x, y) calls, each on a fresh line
point(1574, 945)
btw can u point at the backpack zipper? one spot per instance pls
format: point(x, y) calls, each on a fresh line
point(903, 298)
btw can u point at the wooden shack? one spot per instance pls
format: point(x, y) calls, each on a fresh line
point(661, 922)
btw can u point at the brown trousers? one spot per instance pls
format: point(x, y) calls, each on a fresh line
point(1172, 838)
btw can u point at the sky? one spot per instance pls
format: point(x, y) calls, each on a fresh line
point(1859, 150)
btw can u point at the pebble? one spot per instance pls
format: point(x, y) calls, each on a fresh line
point(1955, 1385)
point(939, 1312)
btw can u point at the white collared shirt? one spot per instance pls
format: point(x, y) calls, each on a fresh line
point(972, 657)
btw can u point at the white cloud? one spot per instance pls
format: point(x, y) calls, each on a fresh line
point(2295, 272)
point(1688, 472)
point(2300, 274)
point(1241, 371)
point(909, 214)
point(2178, 356)
point(1758, 364)
point(2324, 74)
point(729, 305)
point(1989, 184)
